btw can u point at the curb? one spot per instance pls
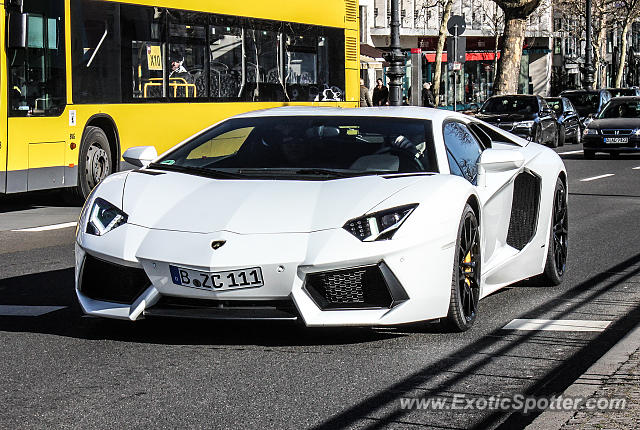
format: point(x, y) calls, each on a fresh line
point(587, 384)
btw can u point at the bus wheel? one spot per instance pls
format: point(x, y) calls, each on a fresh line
point(94, 160)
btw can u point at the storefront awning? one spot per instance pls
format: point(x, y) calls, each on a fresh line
point(470, 56)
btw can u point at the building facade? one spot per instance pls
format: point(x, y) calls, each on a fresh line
point(420, 23)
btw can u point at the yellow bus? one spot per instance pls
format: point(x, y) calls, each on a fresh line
point(83, 80)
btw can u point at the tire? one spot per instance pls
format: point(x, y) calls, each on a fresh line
point(538, 136)
point(465, 281)
point(561, 135)
point(94, 161)
point(589, 155)
point(557, 246)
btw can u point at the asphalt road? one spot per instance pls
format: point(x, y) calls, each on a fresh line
point(60, 369)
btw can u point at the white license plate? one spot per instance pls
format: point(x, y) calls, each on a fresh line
point(216, 281)
point(616, 140)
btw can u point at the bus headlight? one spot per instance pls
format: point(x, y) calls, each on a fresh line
point(104, 217)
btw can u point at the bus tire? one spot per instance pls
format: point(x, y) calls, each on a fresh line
point(94, 161)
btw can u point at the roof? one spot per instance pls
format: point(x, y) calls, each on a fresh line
point(386, 111)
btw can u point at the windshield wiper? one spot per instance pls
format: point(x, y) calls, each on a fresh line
point(294, 171)
point(199, 171)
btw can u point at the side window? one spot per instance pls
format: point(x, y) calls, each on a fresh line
point(187, 55)
point(37, 74)
point(463, 150)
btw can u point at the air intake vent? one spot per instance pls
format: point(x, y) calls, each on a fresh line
point(110, 282)
point(524, 211)
point(360, 287)
point(351, 48)
point(351, 10)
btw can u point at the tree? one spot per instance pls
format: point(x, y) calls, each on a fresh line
point(445, 5)
point(630, 11)
point(516, 13)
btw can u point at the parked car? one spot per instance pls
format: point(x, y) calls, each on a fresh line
point(527, 116)
point(332, 217)
point(615, 130)
point(621, 92)
point(589, 103)
point(569, 127)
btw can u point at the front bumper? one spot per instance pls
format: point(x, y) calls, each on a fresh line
point(290, 263)
point(523, 132)
point(597, 144)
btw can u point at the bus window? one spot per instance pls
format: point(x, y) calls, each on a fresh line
point(225, 61)
point(37, 72)
point(264, 75)
point(187, 51)
point(96, 53)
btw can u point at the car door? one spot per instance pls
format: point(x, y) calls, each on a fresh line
point(463, 152)
point(547, 121)
point(571, 119)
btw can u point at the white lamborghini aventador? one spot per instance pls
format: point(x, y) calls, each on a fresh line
point(334, 217)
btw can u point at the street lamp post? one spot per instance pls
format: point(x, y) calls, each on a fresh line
point(589, 70)
point(395, 72)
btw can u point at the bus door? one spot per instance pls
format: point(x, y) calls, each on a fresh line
point(37, 127)
point(3, 112)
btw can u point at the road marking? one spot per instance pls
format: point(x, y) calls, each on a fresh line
point(27, 311)
point(636, 168)
point(556, 325)
point(580, 151)
point(49, 227)
point(593, 178)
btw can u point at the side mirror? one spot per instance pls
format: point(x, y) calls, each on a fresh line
point(140, 156)
point(498, 160)
point(17, 31)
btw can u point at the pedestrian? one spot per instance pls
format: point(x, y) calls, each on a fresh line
point(427, 96)
point(365, 97)
point(380, 94)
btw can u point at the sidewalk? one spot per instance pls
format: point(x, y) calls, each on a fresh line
point(615, 375)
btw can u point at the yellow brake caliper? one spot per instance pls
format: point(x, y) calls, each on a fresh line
point(467, 260)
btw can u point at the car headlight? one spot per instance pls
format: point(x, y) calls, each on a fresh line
point(104, 217)
point(524, 124)
point(636, 131)
point(379, 225)
point(589, 131)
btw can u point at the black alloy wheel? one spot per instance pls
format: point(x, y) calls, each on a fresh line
point(465, 284)
point(557, 248)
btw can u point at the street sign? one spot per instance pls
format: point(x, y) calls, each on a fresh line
point(456, 49)
point(456, 20)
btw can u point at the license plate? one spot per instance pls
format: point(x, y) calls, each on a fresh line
point(217, 281)
point(616, 140)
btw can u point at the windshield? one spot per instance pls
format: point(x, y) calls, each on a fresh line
point(308, 146)
point(617, 92)
point(615, 109)
point(585, 103)
point(511, 104)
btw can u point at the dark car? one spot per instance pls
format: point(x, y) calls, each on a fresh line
point(589, 103)
point(524, 115)
point(569, 127)
point(615, 130)
point(621, 92)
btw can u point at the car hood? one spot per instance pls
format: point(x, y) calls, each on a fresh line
point(508, 117)
point(181, 202)
point(615, 123)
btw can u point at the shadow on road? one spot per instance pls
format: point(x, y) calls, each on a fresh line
point(35, 199)
point(495, 344)
point(54, 288)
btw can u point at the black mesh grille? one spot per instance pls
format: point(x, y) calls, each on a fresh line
point(361, 287)
point(524, 211)
point(617, 132)
point(111, 282)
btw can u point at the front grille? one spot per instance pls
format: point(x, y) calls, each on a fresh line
point(505, 126)
point(616, 132)
point(524, 210)
point(110, 282)
point(360, 287)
